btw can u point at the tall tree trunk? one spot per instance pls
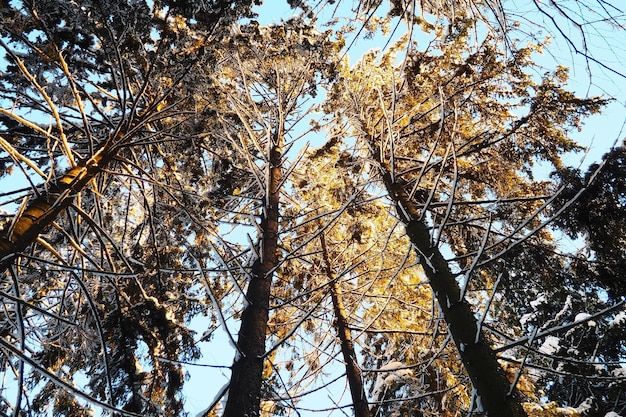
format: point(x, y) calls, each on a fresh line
point(355, 381)
point(492, 387)
point(45, 208)
point(244, 394)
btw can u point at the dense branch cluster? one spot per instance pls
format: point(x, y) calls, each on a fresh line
point(397, 232)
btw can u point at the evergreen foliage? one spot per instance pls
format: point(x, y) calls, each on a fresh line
point(182, 179)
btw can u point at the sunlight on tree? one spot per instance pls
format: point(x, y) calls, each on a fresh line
point(386, 234)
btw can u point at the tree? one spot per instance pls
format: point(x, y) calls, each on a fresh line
point(353, 372)
point(412, 138)
point(590, 369)
point(266, 76)
point(579, 24)
point(598, 215)
point(378, 300)
point(88, 89)
point(177, 182)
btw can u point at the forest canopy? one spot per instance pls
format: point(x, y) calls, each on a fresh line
point(316, 208)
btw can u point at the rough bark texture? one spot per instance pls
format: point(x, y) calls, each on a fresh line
point(44, 209)
point(244, 394)
point(353, 372)
point(488, 377)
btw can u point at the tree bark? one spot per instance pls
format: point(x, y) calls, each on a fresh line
point(244, 394)
point(44, 209)
point(492, 387)
point(353, 372)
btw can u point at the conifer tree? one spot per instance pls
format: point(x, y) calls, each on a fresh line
point(373, 229)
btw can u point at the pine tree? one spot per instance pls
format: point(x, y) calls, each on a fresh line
point(394, 254)
point(439, 146)
point(89, 90)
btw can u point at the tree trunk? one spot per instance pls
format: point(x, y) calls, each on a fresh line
point(244, 394)
point(353, 372)
point(492, 387)
point(44, 209)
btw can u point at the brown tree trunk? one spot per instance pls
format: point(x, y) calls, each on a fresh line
point(44, 209)
point(488, 378)
point(353, 372)
point(244, 393)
